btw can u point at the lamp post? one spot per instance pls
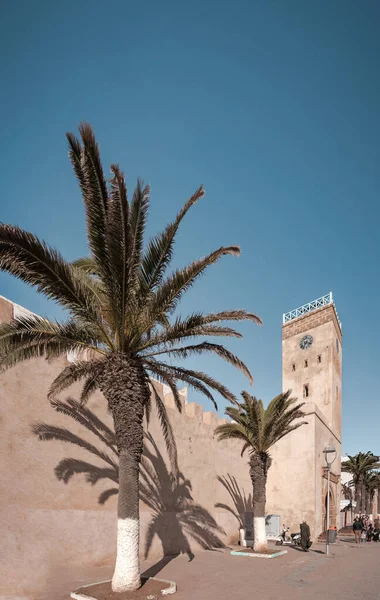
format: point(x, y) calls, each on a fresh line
point(330, 456)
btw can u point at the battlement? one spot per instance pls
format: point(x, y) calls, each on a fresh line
point(192, 410)
point(10, 310)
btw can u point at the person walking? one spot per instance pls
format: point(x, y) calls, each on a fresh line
point(305, 536)
point(369, 533)
point(357, 528)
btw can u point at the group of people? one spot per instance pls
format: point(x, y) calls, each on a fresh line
point(364, 530)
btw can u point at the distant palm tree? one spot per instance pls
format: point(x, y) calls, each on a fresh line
point(165, 491)
point(359, 466)
point(120, 301)
point(346, 491)
point(371, 484)
point(259, 429)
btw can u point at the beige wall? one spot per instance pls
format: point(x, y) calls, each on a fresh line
point(296, 487)
point(47, 526)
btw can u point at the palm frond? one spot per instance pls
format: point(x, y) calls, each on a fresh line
point(137, 223)
point(89, 387)
point(205, 347)
point(167, 374)
point(74, 372)
point(120, 243)
point(87, 265)
point(159, 252)
point(32, 261)
point(169, 293)
point(259, 428)
point(32, 337)
point(193, 378)
point(167, 431)
point(171, 335)
point(86, 163)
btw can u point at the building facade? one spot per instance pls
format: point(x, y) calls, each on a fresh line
point(312, 369)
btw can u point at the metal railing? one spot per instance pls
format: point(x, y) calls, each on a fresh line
point(309, 307)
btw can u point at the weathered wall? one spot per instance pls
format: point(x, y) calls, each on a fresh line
point(46, 525)
point(323, 372)
point(297, 485)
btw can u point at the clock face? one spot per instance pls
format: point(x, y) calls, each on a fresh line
point(306, 342)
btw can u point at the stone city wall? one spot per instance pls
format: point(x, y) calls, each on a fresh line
point(47, 525)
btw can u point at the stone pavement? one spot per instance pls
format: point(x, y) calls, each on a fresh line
point(350, 573)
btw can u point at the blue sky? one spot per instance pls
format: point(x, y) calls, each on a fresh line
point(273, 106)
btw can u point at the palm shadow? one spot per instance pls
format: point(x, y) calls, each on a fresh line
point(241, 502)
point(176, 517)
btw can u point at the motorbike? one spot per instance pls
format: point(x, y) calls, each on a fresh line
point(286, 539)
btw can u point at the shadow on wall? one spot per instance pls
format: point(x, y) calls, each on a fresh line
point(175, 515)
point(241, 502)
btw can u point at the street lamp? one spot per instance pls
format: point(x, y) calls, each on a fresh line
point(330, 456)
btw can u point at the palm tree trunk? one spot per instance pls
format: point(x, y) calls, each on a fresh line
point(258, 470)
point(125, 387)
point(358, 495)
point(363, 494)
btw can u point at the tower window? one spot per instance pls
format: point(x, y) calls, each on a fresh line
point(306, 364)
point(306, 390)
point(293, 366)
point(337, 345)
point(319, 358)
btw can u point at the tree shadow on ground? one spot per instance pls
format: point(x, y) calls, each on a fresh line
point(176, 518)
point(241, 502)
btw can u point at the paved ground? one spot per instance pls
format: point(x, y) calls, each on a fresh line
point(350, 573)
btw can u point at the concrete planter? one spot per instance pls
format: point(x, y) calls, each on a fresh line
point(258, 555)
point(171, 588)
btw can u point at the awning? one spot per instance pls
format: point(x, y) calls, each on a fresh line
point(344, 504)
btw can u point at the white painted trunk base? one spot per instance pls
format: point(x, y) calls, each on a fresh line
point(127, 570)
point(259, 534)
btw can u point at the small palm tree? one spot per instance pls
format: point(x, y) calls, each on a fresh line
point(259, 429)
point(359, 465)
point(120, 301)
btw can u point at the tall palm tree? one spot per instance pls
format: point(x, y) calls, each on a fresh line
point(120, 301)
point(259, 429)
point(359, 465)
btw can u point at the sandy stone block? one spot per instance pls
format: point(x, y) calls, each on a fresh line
point(193, 410)
point(223, 421)
point(210, 418)
point(6, 310)
point(183, 395)
point(169, 401)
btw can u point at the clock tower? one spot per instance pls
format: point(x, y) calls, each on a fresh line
point(312, 357)
point(312, 370)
